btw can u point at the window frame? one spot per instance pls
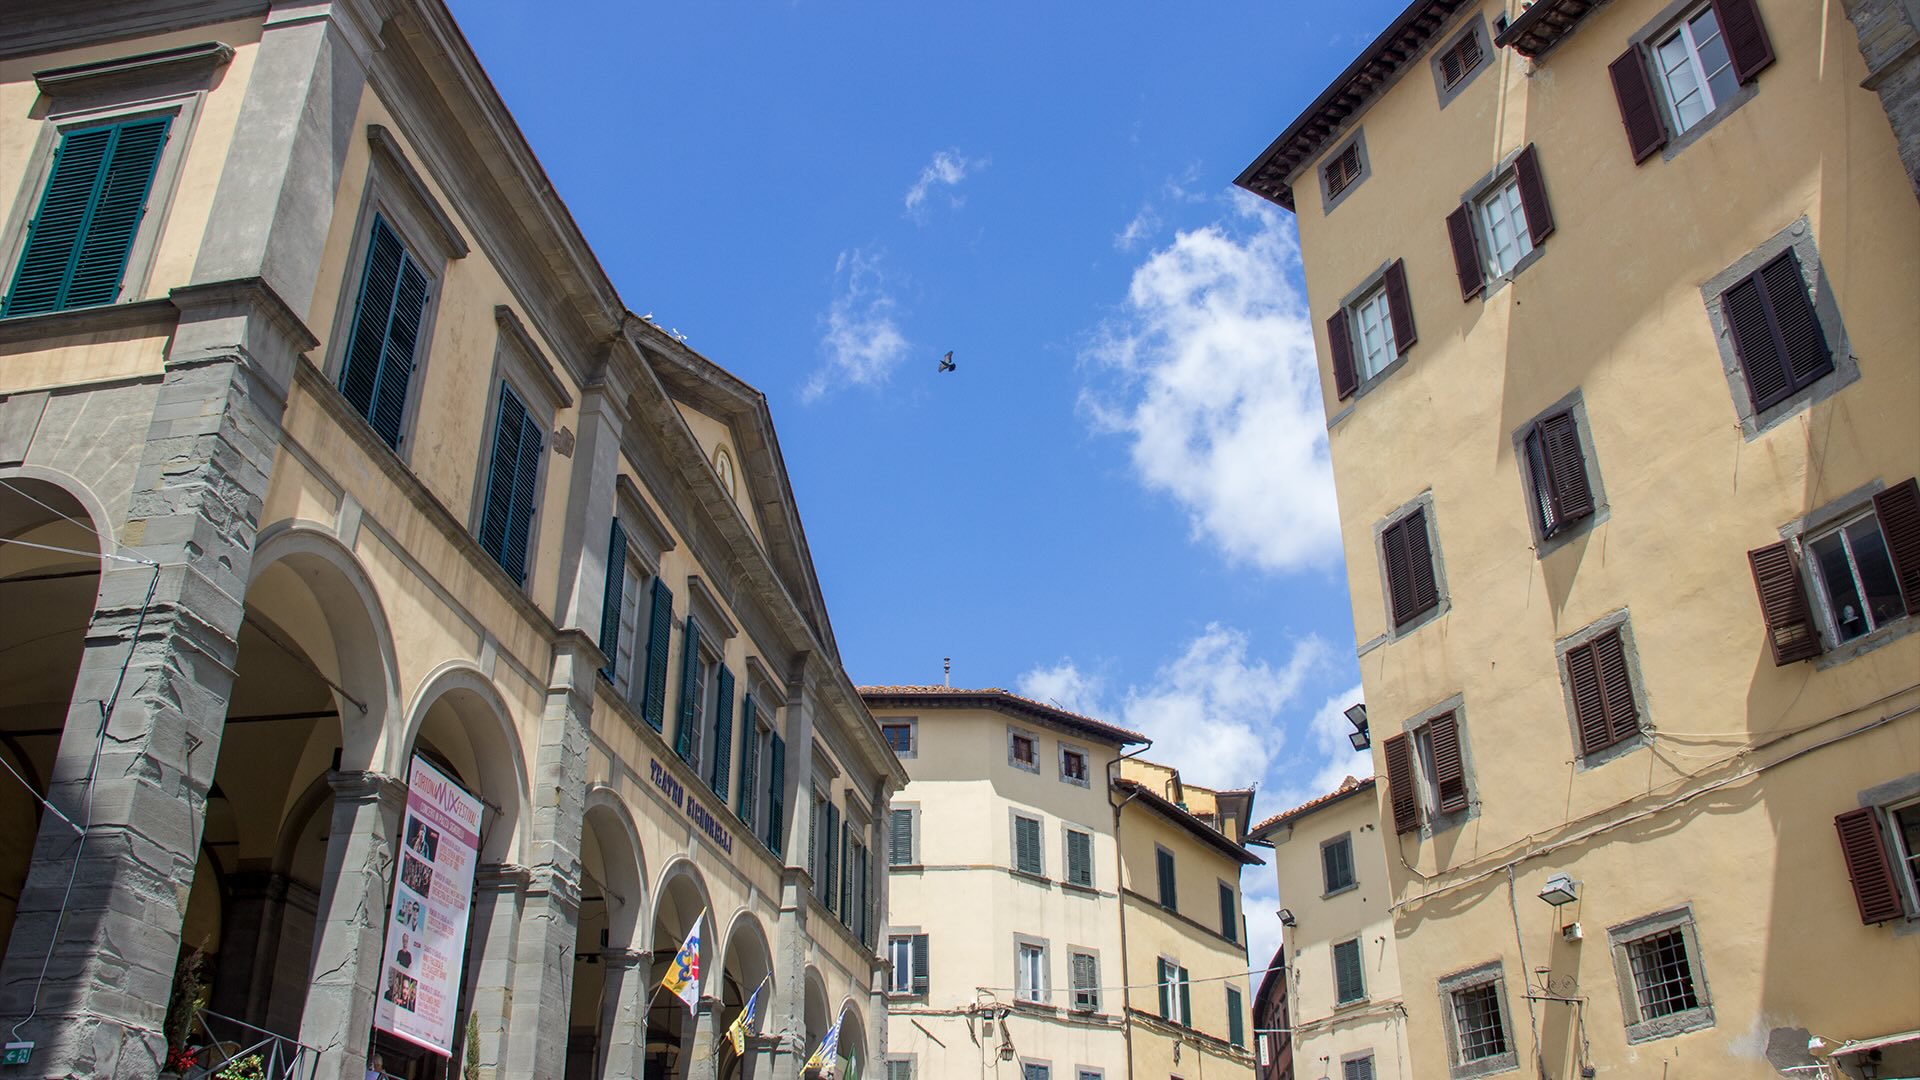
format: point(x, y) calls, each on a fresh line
point(1357, 142)
point(1817, 585)
point(1340, 999)
point(1488, 974)
point(1797, 237)
point(1475, 30)
point(912, 724)
point(1328, 888)
point(1508, 172)
point(1068, 831)
point(1574, 406)
point(912, 810)
point(1906, 864)
point(1086, 764)
point(1364, 1059)
point(1642, 736)
point(1015, 817)
point(1038, 990)
point(1503, 196)
point(1621, 940)
point(1166, 872)
point(1074, 990)
point(1443, 602)
point(1426, 793)
point(1033, 740)
point(1680, 26)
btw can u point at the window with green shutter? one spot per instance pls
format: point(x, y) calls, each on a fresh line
point(1236, 1023)
point(686, 742)
point(611, 598)
point(900, 837)
point(1229, 913)
point(752, 738)
point(653, 693)
point(776, 795)
point(1163, 863)
point(718, 775)
point(506, 511)
point(1348, 976)
point(89, 213)
point(1079, 858)
point(385, 336)
point(1026, 845)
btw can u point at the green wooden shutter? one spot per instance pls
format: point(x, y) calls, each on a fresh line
point(1169, 895)
point(386, 332)
point(689, 703)
point(829, 855)
point(1229, 917)
point(722, 748)
point(776, 795)
point(1163, 980)
point(1186, 998)
point(1236, 1024)
point(397, 355)
point(506, 513)
point(653, 695)
point(921, 973)
point(843, 856)
point(900, 838)
point(611, 598)
point(749, 759)
point(90, 211)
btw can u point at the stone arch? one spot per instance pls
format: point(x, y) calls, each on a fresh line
point(606, 1018)
point(680, 898)
point(458, 702)
point(853, 1031)
point(608, 815)
point(814, 1018)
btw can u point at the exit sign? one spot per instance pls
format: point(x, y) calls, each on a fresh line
point(17, 1053)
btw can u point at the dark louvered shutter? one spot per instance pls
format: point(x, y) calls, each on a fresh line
point(1744, 306)
point(922, 971)
point(1567, 487)
point(722, 749)
point(1746, 37)
point(900, 838)
point(372, 312)
point(749, 759)
point(1426, 587)
point(1868, 867)
point(653, 696)
point(1399, 306)
point(1229, 914)
point(1783, 604)
point(1393, 546)
point(397, 355)
point(1411, 583)
point(1026, 836)
point(1236, 1023)
point(1466, 252)
point(1602, 691)
point(77, 245)
point(1533, 194)
point(1449, 773)
point(1639, 108)
point(506, 517)
point(1589, 700)
point(689, 697)
point(1400, 791)
point(843, 859)
point(1169, 891)
point(1899, 510)
point(1080, 859)
point(611, 597)
point(1340, 345)
point(1186, 997)
point(1775, 332)
point(1802, 344)
point(777, 796)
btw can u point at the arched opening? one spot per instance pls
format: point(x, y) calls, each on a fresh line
point(747, 965)
point(611, 905)
point(461, 725)
point(853, 1042)
point(813, 1013)
point(680, 900)
point(49, 582)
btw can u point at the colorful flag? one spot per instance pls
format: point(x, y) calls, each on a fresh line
point(683, 975)
point(737, 1033)
point(826, 1056)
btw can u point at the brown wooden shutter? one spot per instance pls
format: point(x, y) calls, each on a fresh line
point(1466, 252)
point(1426, 590)
point(1610, 657)
point(1589, 701)
point(1400, 306)
point(1393, 546)
point(1567, 487)
point(1341, 346)
point(1449, 773)
point(1406, 801)
point(1745, 35)
point(1783, 604)
point(1745, 310)
point(1899, 510)
point(1533, 195)
point(1639, 109)
point(1803, 347)
point(1868, 867)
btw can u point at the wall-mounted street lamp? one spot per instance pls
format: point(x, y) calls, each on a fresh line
point(1286, 917)
point(1560, 890)
point(1357, 716)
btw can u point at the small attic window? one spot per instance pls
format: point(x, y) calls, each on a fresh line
point(723, 467)
point(1343, 170)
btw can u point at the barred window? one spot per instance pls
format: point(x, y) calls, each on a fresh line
point(1662, 978)
point(1480, 1028)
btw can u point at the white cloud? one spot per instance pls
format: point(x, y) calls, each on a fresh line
point(947, 168)
point(863, 342)
point(1143, 225)
point(1213, 712)
point(1208, 370)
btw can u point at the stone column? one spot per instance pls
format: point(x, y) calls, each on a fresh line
point(542, 986)
point(499, 895)
point(703, 1064)
point(786, 1024)
point(1889, 33)
point(350, 929)
point(102, 908)
point(623, 1014)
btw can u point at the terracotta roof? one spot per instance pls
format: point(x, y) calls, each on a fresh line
point(957, 697)
point(1270, 175)
point(1180, 816)
point(1347, 789)
point(1541, 26)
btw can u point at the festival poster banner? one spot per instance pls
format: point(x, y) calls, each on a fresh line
point(420, 968)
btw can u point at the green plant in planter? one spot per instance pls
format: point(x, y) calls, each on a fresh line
point(250, 1067)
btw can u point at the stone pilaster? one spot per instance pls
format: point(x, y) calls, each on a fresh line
point(350, 930)
point(542, 987)
point(1889, 33)
point(786, 1023)
point(623, 1014)
point(103, 903)
point(499, 895)
point(703, 1064)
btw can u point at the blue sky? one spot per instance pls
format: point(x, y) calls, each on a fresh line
point(1120, 501)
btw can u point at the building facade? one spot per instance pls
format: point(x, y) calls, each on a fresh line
point(1618, 338)
point(1027, 933)
point(1347, 1019)
point(327, 453)
point(1184, 931)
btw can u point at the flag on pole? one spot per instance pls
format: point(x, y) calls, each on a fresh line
point(738, 1031)
point(826, 1056)
point(682, 979)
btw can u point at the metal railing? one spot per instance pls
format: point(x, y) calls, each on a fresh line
point(231, 1042)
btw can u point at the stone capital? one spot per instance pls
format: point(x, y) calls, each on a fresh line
point(501, 878)
point(368, 787)
point(622, 959)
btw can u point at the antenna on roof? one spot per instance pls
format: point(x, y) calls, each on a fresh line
point(946, 672)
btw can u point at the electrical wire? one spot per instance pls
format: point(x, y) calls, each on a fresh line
point(8, 483)
point(42, 801)
point(1140, 986)
point(77, 551)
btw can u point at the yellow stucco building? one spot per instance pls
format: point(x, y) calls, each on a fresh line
point(1618, 311)
point(1058, 909)
point(329, 456)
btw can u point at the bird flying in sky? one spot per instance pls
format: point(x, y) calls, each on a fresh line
point(946, 362)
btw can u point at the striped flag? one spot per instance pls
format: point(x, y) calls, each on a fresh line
point(826, 1056)
point(738, 1031)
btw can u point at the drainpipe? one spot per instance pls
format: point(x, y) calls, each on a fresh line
point(1126, 1024)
